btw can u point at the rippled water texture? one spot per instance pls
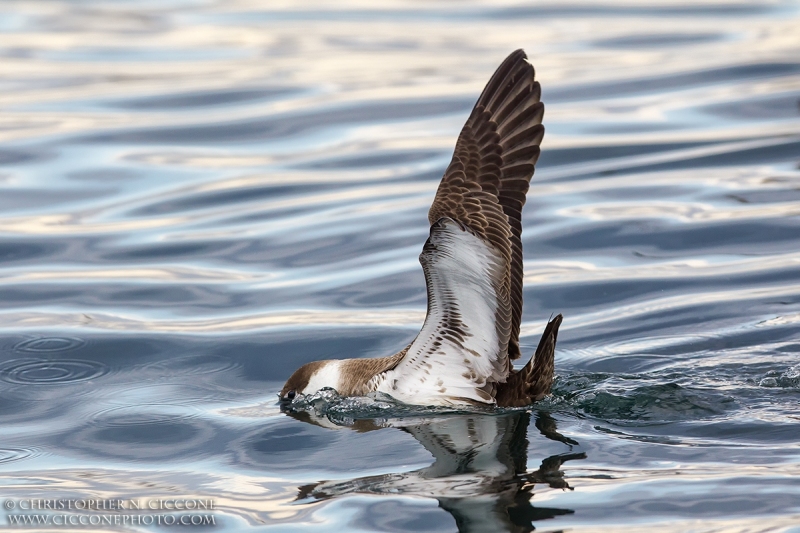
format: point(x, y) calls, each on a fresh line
point(198, 197)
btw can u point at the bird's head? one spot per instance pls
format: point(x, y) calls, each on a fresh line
point(310, 378)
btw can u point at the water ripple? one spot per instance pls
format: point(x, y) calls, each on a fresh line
point(8, 455)
point(50, 372)
point(49, 344)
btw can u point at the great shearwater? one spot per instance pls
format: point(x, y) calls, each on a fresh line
point(472, 263)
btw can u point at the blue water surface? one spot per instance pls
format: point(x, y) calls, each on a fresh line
point(197, 197)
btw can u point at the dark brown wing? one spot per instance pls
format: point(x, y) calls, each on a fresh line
point(533, 381)
point(484, 186)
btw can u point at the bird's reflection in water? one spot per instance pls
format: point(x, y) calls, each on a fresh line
point(479, 474)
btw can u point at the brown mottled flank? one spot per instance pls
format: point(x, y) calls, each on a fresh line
point(483, 191)
point(445, 304)
point(357, 373)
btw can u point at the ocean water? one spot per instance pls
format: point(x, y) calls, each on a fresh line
point(197, 197)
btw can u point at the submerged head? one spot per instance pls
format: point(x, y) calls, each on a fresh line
point(310, 378)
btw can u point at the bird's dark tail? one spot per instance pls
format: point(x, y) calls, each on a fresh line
point(534, 380)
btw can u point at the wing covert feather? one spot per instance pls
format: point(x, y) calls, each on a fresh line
point(485, 185)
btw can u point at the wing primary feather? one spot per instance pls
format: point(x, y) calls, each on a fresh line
point(478, 206)
point(510, 108)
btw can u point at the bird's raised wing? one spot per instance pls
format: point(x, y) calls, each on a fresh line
point(473, 257)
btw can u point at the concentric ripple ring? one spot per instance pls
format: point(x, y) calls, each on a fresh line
point(50, 372)
point(49, 344)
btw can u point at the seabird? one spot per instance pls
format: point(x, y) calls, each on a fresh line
point(472, 262)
